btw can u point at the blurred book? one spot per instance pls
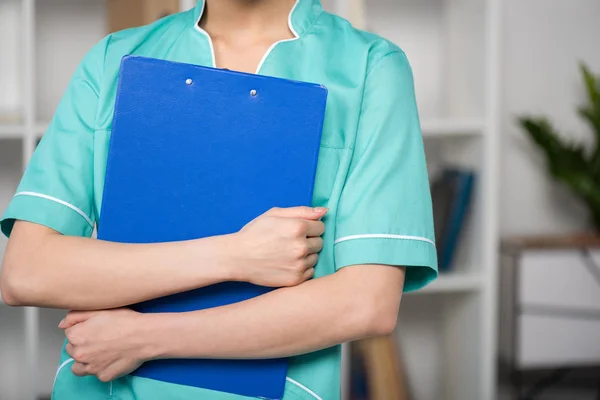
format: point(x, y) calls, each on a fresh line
point(123, 14)
point(451, 194)
point(359, 385)
point(377, 370)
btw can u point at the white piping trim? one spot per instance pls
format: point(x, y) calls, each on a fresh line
point(270, 49)
point(264, 58)
point(301, 386)
point(213, 59)
point(59, 201)
point(290, 25)
point(384, 236)
point(67, 362)
point(64, 364)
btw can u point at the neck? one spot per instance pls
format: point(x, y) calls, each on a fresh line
point(266, 17)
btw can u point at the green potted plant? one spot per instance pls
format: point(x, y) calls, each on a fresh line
point(574, 164)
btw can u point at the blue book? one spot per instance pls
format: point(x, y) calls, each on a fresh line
point(462, 182)
point(198, 152)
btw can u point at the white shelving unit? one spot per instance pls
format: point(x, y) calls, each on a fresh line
point(447, 332)
point(434, 128)
point(453, 283)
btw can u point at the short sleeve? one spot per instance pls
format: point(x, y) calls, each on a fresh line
point(57, 188)
point(385, 212)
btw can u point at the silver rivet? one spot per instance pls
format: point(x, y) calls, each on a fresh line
point(189, 81)
point(253, 93)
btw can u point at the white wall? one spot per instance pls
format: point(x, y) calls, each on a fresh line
point(543, 39)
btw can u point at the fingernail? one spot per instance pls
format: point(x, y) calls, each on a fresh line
point(320, 210)
point(60, 324)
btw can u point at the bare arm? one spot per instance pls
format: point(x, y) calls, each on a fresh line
point(357, 302)
point(44, 268)
point(354, 303)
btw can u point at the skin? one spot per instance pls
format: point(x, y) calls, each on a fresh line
point(277, 249)
point(243, 30)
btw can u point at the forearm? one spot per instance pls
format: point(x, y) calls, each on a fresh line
point(44, 268)
point(86, 274)
point(286, 322)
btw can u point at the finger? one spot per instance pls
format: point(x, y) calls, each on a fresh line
point(75, 317)
point(315, 228)
point(116, 370)
point(69, 348)
point(309, 213)
point(311, 260)
point(308, 274)
point(79, 369)
point(315, 244)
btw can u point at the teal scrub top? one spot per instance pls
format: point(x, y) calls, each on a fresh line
point(371, 173)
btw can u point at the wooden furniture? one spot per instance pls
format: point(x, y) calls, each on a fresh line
point(383, 369)
point(550, 305)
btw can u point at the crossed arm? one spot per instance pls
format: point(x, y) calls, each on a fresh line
point(358, 301)
point(354, 303)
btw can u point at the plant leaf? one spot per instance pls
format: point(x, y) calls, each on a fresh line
point(560, 155)
point(567, 162)
point(574, 164)
point(583, 185)
point(592, 117)
point(591, 113)
point(591, 86)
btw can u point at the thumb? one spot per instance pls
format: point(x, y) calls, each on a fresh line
point(75, 317)
point(310, 213)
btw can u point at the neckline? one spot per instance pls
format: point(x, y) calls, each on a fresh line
point(301, 17)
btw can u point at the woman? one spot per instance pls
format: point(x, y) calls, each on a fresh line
point(371, 193)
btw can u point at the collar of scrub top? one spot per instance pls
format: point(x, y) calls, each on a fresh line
point(300, 20)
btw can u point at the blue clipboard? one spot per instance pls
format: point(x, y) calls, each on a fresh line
point(196, 152)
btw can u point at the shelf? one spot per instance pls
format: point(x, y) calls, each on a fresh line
point(452, 283)
point(445, 327)
point(443, 128)
point(436, 128)
point(11, 131)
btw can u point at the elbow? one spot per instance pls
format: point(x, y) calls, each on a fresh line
point(380, 317)
point(15, 287)
point(10, 295)
point(22, 281)
point(10, 299)
point(381, 324)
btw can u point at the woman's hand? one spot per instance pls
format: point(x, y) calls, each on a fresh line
point(107, 344)
point(280, 247)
